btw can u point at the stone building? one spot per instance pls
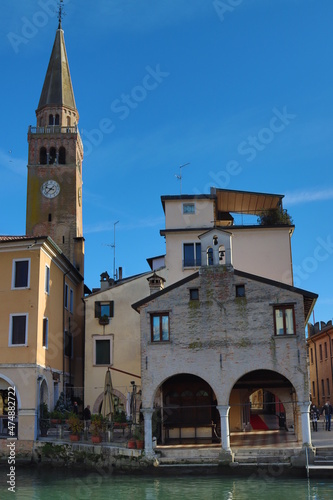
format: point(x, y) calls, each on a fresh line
point(213, 340)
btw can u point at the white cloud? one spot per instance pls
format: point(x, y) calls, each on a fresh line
point(298, 197)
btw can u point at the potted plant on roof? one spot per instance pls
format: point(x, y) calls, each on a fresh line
point(75, 426)
point(96, 428)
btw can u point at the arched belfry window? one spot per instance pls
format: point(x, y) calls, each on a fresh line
point(50, 119)
point(57, 119)
point(52, 156)
point(42, 156)
point(210, 258)
point(221, 254)
point(62, 155)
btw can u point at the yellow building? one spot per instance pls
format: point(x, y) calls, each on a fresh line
point(41, 307)
point(41, 322)
point(112, 339)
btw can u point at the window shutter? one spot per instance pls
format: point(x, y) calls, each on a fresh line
point(97, 309)
point(111, 309)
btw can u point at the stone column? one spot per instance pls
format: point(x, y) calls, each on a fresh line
point(147, 415)
point(225, 433)
point(305, 423)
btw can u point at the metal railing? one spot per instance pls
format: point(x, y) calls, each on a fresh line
point(53, 129)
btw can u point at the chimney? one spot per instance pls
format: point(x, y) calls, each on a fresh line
point(156, 283)
point(105, 281)
point(120, 273)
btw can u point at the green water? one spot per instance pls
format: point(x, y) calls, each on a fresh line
point(65, 485)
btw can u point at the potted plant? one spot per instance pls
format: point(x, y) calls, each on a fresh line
point(63, 407)
point(76, 427)
point(56, 417)
point(104, 320)
point(131, 443)
point(138, 436)
point(96, 428)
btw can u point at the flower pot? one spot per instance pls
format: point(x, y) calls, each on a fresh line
point(139, 444)
point(96, 439)
point(74, 437)
point(131, 444)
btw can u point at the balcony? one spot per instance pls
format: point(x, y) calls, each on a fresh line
point(53, 129)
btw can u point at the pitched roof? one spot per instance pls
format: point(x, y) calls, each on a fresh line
point(57, 88)
point(309, 298)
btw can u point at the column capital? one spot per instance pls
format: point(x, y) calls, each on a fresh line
point(304, 406)
point(223, 409)
point(147, 412)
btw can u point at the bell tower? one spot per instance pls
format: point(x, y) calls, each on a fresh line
point(54, 190)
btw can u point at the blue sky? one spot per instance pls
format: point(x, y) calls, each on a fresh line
point(240, 89)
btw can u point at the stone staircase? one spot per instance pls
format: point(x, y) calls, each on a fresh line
point(263, 457)
point(188, 456)
point(324, 456)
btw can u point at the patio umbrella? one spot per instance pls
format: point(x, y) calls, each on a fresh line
point(108, 397)
point(128, 406)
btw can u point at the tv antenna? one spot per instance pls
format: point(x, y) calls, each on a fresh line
point(114, 250)
point(179, 177)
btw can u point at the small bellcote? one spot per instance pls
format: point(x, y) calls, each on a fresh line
point(216, 248)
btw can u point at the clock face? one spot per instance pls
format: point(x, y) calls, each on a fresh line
point(50, 189)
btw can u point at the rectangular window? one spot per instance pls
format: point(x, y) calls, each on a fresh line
point(68, 344)
point(328, 387)
point(311, 355)
point(188, 208)
point(284, 320)
point(192, 254)
point(103, 350)
point(240, 290)
point(21, 273)
point(160, 327)
point(47, 279)
point(45, 332)
point(104, 309)
point(18, 333)
point(66, 296)
point(325, 349)
point(320, 352)
point(71, 300)
point(322, 389)
point(194, 293)
point(313, 389)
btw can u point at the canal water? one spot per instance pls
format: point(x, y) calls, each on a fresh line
point(64, 485)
